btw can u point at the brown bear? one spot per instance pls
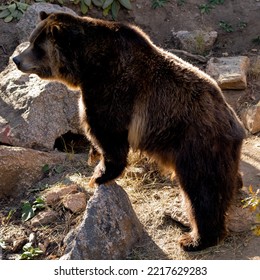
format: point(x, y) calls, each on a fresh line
point(134, 94)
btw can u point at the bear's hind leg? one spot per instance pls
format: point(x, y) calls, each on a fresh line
point(207, 220)
point(209, 183)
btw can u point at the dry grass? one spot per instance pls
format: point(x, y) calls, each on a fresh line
point(151, 195)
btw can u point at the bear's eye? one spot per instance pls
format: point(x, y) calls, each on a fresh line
point(38, 51)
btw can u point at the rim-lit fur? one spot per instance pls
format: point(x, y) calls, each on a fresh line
point(134, 94)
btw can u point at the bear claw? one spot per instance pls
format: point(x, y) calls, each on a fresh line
point(188, 243)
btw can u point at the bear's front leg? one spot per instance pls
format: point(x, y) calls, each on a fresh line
point(93, 156)
point(112, 164)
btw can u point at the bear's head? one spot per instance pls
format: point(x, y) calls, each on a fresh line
point(51, 52)
point(81, 50)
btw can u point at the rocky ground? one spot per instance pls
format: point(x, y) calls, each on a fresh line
point(28, 164)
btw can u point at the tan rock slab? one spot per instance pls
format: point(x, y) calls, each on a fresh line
point(229, 72)
point(251, 118)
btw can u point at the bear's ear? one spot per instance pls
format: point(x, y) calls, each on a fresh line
point(55, 31)
point(43, 15)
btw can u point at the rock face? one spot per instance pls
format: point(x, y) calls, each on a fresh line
point(75, 202)
point(9, 42)
point(251, 118)
point(30, 18)
point(109, 229)
point(22, 167)
point(34, 112)
point(229, 72)
point(197, 41)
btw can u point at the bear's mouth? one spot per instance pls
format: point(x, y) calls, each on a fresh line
point(28, 70)
point(42, 72)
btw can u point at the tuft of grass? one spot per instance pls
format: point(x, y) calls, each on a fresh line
point(216, 2)
point(227, 27)
point(241, 25)
point(253, 203)
point(200, 44)
point(256, 40)
point(207, 7)
point(158, 3)
point(181, 2)
point(6, 220)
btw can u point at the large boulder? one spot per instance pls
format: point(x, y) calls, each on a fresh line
point(21, 168)
point(251, 118)
point(229, 72)
point(34, 112)
point(109, 228)
point(197, 41)
point(28, 22)
point(9, 42)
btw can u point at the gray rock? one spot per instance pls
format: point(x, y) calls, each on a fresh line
point(240, 219)
point(229, 72)
point(251, 118)
point(109, 229)
point(9, 42)
point(30, 18)
point(44, 218)
point(19, 243)
point(20, 168)
point(34, 112)
point(197, 41)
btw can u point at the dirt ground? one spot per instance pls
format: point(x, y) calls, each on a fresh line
point(242, 16)
point(153, 192)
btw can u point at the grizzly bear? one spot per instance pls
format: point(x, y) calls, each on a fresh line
point(135, 94)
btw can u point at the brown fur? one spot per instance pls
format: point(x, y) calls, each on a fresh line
point(136, 94)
